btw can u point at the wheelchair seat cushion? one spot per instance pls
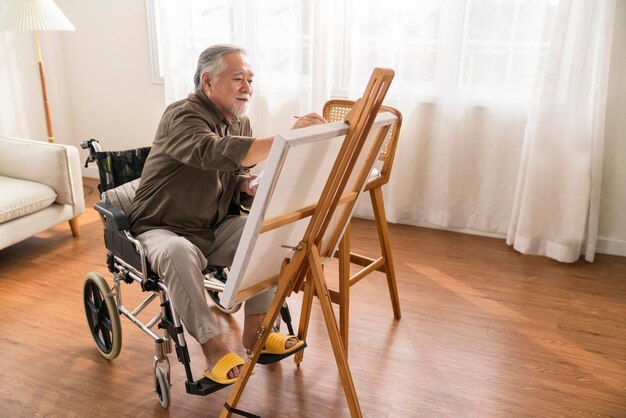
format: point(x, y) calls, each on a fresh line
point(122, 196)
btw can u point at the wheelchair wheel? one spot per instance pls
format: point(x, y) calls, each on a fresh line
point(162, 386)
point(215, 297)
point(102, 315)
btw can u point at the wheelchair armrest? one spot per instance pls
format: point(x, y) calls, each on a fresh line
point(117, 238)
point(118, 219)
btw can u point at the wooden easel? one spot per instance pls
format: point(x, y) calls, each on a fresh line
point(335, 110)
point(304, 270)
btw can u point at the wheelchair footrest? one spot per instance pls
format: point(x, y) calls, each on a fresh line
point(203, 387)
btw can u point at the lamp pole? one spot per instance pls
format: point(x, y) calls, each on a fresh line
point(44, 91)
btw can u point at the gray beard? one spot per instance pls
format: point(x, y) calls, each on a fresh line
point(239, 109)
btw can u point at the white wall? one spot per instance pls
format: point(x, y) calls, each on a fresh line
point(107, 67)
point(612, 228)
point(100, 87)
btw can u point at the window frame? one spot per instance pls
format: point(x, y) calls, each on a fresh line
point(153, 42)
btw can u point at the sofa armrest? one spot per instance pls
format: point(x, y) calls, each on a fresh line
point(55, 165)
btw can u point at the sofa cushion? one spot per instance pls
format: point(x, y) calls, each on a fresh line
point(21, 197)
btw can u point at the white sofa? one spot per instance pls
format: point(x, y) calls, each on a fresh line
point(40, 186)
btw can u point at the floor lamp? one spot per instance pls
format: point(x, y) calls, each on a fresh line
point(36, 15)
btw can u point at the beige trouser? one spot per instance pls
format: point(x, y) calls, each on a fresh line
point(180, 263)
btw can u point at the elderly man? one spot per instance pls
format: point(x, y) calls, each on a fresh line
point(196, 171)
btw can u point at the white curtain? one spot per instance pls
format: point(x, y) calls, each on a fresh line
point(467, 74)
point(557, 198)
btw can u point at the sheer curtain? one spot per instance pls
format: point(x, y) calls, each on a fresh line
point(467, 74)
point(557, 199)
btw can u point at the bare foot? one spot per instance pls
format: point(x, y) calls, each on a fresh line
point(215, 349)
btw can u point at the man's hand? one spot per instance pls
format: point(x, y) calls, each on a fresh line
point(309, 120)
point(249, 188)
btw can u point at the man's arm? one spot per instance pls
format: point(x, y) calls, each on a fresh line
point(260, 148)
point(258, 151)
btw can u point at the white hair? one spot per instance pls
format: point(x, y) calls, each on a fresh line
point(211, 61)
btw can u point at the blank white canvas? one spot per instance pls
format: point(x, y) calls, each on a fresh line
point(294, 177)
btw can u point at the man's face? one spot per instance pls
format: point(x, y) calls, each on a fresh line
point(231, 91)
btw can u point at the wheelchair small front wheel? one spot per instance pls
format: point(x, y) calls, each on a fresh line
point(102, 315)
point(215, 297)
point(162, 386)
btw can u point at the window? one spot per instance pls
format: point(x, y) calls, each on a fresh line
point(153, 38)
point(504, 44)
point(485, 50)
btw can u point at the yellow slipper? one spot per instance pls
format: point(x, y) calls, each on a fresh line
point(219, 372)
point(275, 348)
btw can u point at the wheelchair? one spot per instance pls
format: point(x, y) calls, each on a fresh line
point(119, 174)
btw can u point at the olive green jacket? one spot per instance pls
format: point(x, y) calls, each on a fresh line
point(192, 176)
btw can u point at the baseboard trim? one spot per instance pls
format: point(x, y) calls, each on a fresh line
point(611, 247)
point(603, 245)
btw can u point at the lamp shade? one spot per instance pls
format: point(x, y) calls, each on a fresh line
point(36, 15)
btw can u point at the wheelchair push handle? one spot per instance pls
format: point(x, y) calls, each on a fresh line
point(93, 146)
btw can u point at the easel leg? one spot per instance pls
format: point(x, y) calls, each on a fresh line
point(376, 196)
point(284, 288)
point(305, 315)
point(333, 333)
point(344, 287)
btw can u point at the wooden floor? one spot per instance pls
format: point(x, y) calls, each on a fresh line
point(485, 332)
